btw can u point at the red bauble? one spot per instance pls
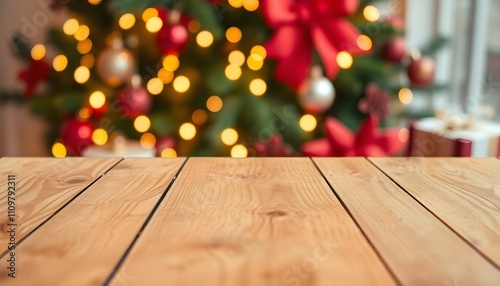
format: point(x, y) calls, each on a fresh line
point(76, 136)
point(421, 72)
point(134, 101)
point(174, 34)
point(394, 51)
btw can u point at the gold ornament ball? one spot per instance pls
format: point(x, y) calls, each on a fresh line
point(116, 64)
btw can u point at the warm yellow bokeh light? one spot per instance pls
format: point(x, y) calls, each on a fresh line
point(229, 136)
point(255, 62)
point(236, 3)
point(171, 63)
point(204, 39)
point(82, 33)
point(126, 21)
point(38, 52)
point(142, 123)
point(100, 136)
point(60, 63)
point(194, 26)
point(187, 131)
point(214, 103)
point(233, 35)
point(181, 84)
point(70, 26)
point(94, 2)
point(148, 140)
point(165, 76)
point(82, 74)
point(168, 153)
point(59, 150)
point(85, 113)
point(84, 46)
point(239, 151)
point(258, 87)
point(251, 5)
point(155, 86)
point(405, 95)
point(233, 72)
point(364, 42)
point(308, 123)
point(199, 117)
point(149, 13)
point(88, 61)
point(371, 13)
point(154, 24)
point(236, 58)
point(344, 60)
point(97, 99)
point(259, 50)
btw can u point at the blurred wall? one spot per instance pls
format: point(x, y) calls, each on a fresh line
point(21, 134)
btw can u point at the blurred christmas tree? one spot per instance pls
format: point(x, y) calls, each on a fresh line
point(213, 77)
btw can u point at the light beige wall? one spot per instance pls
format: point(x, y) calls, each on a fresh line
point(21, 134)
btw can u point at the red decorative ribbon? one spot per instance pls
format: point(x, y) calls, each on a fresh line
point(36, 73)
point(304, 25)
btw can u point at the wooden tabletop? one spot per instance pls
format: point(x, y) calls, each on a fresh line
point(256, 221)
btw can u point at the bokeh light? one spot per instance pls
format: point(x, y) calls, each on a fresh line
point(142, 123)
point(308, 123)
point(155, 86)
point(236, 58)
point(165, 76)
point(214, 103)
point(88, 61)
point(371, 13)
point(364, 42)
point(38, 52)
point(236, 3)
point(404, 135)
point(60, 63)
point(239, 151)
point(82, 33)
point(233, 72)
point(344, 60)
point(194, 26)
point(70, 26)
point(149, 13)
point(251, 5)
point(148, 140)
point(59, 150)
point(168, 153)
point(187, 131)
point(199, 117)
point(84, 46)
point(82, 74)
point(100, 136)
point(255, 62)
point(154, 24)
point(171, 63)
point(259, 50)
point(258, 87)
point(229, 136)
point(94, 2)
point(97, 99)
point(204, 39)
point(405, 95)
point(181, 84)
point(126, 21)
point(233, 35)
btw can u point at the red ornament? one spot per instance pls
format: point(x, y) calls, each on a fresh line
point(76, 136)
point(421, 72)
point(342, 142)
point(174, 34)
point(376, 101)
point(304, 25)
point(134, 100)
point(274, 147)
point(395, 50)
point(37, 72)
point(164, 143)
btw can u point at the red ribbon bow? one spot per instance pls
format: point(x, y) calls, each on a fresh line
point(302, 25)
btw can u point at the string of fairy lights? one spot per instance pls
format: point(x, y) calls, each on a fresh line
point(182, 83)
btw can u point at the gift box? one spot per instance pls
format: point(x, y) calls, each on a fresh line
point(437, 137)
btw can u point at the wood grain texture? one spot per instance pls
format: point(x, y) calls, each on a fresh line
point(463, 192)
point(419, 248)
point(251, 222)
point(43, 186)
point(83, 243)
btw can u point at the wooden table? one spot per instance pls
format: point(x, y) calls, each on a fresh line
point(222, 221)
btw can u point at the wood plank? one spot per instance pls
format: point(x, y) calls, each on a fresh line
point(83, 243)
point(251, 222)
point(419, 248)
point(44, 185)
point(463, 192)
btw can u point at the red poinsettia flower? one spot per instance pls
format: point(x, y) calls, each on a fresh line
point(33, 75)
point(340, 141)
